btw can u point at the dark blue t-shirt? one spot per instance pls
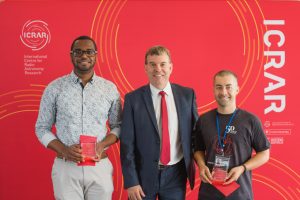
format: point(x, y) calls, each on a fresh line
point(244, 135)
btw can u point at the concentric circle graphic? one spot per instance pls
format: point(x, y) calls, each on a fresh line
point(105, 31)
point(35, 34)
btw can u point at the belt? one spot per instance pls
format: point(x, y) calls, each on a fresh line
point(163, 167)
point(103, 155)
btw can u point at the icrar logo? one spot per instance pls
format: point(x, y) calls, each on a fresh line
point(35, 34)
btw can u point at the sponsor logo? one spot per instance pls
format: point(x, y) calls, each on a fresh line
point(35, 34)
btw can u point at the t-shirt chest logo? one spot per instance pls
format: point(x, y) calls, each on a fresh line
point(230, 130)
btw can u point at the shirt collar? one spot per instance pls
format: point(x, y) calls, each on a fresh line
point(155, 91)
point(76, 79)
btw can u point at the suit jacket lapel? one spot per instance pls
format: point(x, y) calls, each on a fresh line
point(149, 105)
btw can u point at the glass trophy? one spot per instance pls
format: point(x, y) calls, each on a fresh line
point(219, 172)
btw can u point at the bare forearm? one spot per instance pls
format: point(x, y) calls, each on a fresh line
point(57, 146)
point(108, 140)
point(204, 172)
point(259, 159)
point(199, 158)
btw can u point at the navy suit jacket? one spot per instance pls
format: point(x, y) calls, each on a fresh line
point(140, 143)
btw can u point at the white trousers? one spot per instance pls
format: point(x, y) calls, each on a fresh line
point(72, 182)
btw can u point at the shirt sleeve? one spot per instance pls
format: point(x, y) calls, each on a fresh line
point(114, 115)
point(46, 117)
point(260, 141)
point(198, 138)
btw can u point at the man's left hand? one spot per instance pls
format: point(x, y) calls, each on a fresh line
point(234, 174)
point(99, 151)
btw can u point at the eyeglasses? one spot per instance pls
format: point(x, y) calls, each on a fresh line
point(79, 52)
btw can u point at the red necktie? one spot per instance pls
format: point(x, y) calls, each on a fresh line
point(165, 147)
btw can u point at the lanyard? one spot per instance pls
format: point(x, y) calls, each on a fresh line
point(221, 143)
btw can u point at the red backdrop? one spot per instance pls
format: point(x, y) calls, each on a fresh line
point(203, 36)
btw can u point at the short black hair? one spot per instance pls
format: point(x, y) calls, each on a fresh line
point(84, 37)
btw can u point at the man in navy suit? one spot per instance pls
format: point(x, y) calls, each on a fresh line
point(156, 164)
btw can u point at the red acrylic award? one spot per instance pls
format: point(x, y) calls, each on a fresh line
point(88, 147)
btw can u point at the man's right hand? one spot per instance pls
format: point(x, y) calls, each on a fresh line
point(73, 153)
point(135, 193)
point(205, 174)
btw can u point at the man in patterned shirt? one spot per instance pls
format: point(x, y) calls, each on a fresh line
point(80, 104)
